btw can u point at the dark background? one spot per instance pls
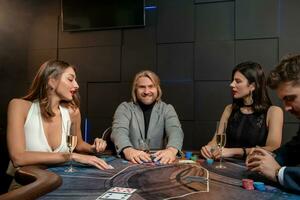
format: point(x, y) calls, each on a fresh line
point(191, 44)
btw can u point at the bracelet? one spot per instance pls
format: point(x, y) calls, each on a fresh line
point(245, 152)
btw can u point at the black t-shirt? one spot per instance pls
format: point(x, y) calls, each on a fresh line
point(147, 110)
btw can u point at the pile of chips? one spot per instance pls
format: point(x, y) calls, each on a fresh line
point(248, 184)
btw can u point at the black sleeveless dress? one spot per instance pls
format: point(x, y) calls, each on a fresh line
point(246, 130)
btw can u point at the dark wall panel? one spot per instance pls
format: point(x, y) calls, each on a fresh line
point(256, 18)
point(214, 21)
point(264, 51)
point(138, 52)
point(36, 58)
point(89, 39)
point(204, 132)
point(175, 21)
point(289, 19)
point(211, 99)
point(288, 46)
point(94, 63)
point(214, 60)
point(103, 99)
point(181, 96)
point(43, 34)
point(175, 61)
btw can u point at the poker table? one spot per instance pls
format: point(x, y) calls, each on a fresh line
point(153, 181)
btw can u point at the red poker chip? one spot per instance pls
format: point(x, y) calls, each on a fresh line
point(248, 184)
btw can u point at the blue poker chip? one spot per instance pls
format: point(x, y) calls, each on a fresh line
point(259, 186)
point(209, 161)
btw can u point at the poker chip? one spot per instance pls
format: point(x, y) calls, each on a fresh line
point(259, 186)
point(188, 155)
point(194, 158)
point(209, 161)
point(248, 184)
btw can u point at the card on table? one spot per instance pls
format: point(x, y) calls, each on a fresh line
point(114, 196)
point(122, 190)
point(117, 193)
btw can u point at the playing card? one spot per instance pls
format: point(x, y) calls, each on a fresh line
point(122, 190)
point(114, 196)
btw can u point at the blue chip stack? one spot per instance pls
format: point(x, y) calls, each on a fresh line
point(188, 155)
point(260, 186)
point(209, 161)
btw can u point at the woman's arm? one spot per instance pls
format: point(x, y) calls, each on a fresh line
point(16, 117)
point(275, 125)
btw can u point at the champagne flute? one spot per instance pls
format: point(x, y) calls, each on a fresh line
point(71, 142)
point(144, 145)
point(221, 142)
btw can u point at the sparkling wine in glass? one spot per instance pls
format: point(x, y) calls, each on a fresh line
point(221, 142)
point(144, 145)
point(71, 142)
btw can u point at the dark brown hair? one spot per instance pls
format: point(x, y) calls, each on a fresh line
point(288, 70)
point(39, 86)
point(254, 74)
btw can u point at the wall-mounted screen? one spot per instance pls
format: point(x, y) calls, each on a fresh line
point(83, 15)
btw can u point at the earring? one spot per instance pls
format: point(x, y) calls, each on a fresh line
point(249, 100)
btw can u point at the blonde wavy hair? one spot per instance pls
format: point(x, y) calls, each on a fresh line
point(153, 77)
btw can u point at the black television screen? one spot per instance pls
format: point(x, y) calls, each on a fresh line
point(81, 15)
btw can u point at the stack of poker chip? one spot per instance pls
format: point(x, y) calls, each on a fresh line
point(248, 184)
point(259, 186)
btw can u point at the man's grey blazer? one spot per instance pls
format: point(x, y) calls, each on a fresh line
point(164, 127)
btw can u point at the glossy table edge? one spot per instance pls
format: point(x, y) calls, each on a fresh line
point(36, 181)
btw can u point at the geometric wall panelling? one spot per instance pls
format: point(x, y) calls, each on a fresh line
point(89, 39)
point(274, 98)
point(36, 58)
point(103, 99)
point(262, 51)
point(83, 98)
point(96, 126)
point(289, 19)
point(175, 61)
point(289, 131)
point(211, 99)
point(214, 60)
point(214, 21)
point(204, 132)
point(43, 33)
point(125, 92)
point(190, 141)
point(256, 19)
point(12, 65)
point(289, 46)
point(94, 64)
point(175, 21)
point(181, 96)
point(137, 57)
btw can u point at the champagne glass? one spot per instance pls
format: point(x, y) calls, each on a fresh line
point(144, 145)
point(221, 142)
point(71, 142)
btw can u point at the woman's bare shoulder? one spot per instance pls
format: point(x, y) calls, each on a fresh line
point(274, 110)
point(20, 104)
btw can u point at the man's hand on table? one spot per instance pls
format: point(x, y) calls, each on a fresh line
point(263, 162)
point(166, 156)
point(136, 156)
